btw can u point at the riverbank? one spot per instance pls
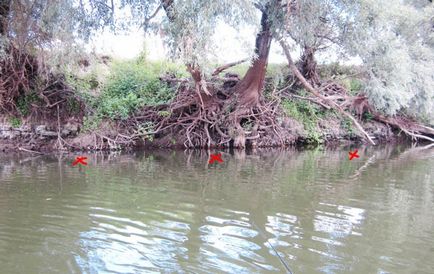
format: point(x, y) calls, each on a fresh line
point(40, 137)
point(120, 105)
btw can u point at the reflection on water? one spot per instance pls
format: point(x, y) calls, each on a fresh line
point(172, 212)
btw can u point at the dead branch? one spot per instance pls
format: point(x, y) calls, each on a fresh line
point(218, 70)
point(30, 151)
point(410, 128)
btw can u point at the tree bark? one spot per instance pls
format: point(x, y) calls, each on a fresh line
point(167, 6)
point(308, 66)
point(4, 14)
point(250, 87)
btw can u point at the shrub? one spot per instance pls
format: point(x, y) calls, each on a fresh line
point(15, 122)
point(130, 86)
point(308, 115)
point(24, 103)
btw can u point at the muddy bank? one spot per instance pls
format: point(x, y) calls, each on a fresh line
point(40, 137)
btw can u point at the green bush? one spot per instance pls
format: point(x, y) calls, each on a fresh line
point(15, 122)
point(308, 115)
point(91, 123)
point(129, 86)
point(347, 125)
point(24, 103)
point(132, 85)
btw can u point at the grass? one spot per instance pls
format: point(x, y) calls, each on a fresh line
point(308, 115)
point(129, 86)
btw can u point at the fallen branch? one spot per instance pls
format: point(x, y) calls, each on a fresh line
point(30, 151)
point(358, 172)
point(414, 130)
point(218, 70)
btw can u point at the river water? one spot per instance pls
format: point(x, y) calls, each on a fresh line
point(171, 212)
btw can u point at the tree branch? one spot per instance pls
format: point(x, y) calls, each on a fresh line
point(218, 70)
point(148, 19)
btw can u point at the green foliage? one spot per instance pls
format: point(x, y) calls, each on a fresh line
point(24, 103)
point(73, 105)
point(164, 113)
point(276, 78)
point(119, 106)
point(130, 86)
point(353, 85)
point(144, 130)
point(308, 115)
point(333, 70)
point(356, 85)
point(91, 123)
point(347, 125)
point(367, 116)
point(78, 84)
point(15, 122)
point(396, 45)
point(347, 76)
point(193, 23)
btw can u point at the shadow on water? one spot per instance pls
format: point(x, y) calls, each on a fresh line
point(154, 211)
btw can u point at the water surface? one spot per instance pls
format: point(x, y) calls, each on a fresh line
point(164, 211)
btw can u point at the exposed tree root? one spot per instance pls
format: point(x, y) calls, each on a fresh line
point(223, 126)
point(335, 96)
point(411, 128)
point(214, 121)
point(28, 88)
point(315, 92)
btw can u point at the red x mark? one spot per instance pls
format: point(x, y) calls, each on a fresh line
point(80, 160)
point(353, 154)
point(215, 157)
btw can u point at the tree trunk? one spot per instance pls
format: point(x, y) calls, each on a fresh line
point(308, 66)
point(250, 87)
point(167, 6)
point(4, 14)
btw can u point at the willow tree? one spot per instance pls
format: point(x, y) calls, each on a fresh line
point(216, 116)
point(29, 30)
point(191, 25)
point(316, 26)
point(396, 45)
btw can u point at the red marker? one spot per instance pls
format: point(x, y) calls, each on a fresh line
point(353, 154)
point(80, 160)
point(215, 157)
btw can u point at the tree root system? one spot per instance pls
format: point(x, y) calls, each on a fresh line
point(29, 89)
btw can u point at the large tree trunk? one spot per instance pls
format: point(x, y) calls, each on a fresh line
point(308, 66)
point(250, 87)
point(4, 14)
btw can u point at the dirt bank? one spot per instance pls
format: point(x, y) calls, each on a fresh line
point(40, 137)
